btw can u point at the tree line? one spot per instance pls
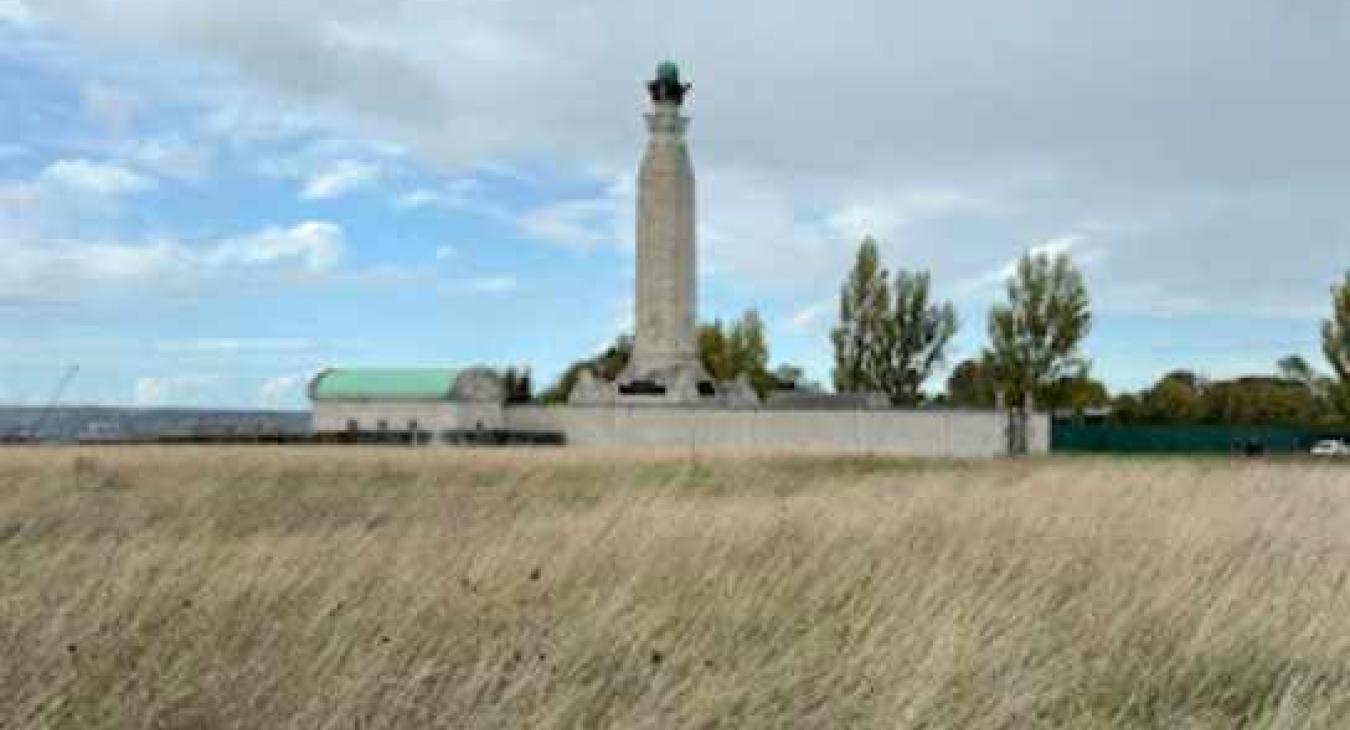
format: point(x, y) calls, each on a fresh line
point(892, 336)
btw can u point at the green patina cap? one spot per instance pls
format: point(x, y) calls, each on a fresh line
point(667, 87)
point(668, 71)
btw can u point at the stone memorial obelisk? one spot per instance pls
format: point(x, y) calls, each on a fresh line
point(665, 367)
point(665, 340)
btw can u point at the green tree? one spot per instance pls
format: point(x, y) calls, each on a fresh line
point(1296, 369)
point(715, 351)
point(1034, 338)
point(1259, 401)
point(1336, 345)
point(1077, 393)
point(1178, 397)
point(914, 339)
point(793, 377)
point(864, 313)
point(606, 366)
point(971, 385)
point(742, 349)
point(1183, 398)
point(726, 353)
point(750, 349)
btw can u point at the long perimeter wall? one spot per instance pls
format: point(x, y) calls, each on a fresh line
point(898, 432)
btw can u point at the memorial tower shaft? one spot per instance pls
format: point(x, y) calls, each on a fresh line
point(665, 340)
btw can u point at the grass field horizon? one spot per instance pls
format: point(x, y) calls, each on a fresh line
point(391, 588)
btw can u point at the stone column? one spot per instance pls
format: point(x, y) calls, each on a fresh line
point(665, 342)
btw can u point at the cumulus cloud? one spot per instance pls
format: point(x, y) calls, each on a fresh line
point(499, 284)
point(313, 246)
point(83, 177)
point(232, 345)
point(36, 267)
point(1208, 135)
point(161, 390)
point(282, 391)
point(15, 12)
point(172, 157)
point(416, 199)
point(115, 108)
point(576, 224)
point(808, 317)
point(340, 178)
point(1076, 245)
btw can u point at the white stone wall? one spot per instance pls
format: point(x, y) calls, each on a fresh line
point(333, 416)
point(898, 432)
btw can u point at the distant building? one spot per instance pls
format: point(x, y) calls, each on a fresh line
point(428, 401)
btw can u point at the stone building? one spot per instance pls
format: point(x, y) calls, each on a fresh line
point(432, 401)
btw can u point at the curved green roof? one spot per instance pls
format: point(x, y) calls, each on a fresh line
point(384, 384)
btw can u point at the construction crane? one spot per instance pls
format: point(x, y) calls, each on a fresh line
point(61, 385)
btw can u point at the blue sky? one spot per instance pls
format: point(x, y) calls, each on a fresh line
point(203, 203)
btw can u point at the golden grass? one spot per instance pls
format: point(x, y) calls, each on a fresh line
point(333, 588)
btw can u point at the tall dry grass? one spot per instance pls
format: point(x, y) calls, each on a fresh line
point(415, 589)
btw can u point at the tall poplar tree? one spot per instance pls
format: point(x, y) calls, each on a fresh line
point(1336, 343)
point(750, 351)
point(715, 351)
point(741, 349)
point(915, 337)
point(864, 312)
point(1034, 338)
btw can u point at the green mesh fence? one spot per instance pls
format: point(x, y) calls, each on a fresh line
point(1103, 439)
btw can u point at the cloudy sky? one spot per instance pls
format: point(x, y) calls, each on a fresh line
point(202, 202)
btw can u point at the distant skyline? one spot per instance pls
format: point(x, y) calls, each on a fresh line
point(202, 203)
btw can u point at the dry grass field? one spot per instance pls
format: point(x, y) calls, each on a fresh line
point(359, 589)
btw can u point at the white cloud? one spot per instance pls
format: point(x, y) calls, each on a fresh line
point(36, 266)
point(113, 107)
point(1072, 244)
point(173, 157)
point(457, 193)
point(1225, 147)
point(576, 224)
point(808, 317)
point(102, 180)
point(445, 252)
point(314, 246)
point(500, 284)
point(340, 178)
point(418, 199)
point(158, 391)
point(15, 12)
point(282, 391)
point(231, 345)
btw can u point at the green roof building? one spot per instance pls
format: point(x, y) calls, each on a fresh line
point(416, 400)
point(384, 384)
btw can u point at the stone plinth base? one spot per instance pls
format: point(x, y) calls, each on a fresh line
point(680, 387)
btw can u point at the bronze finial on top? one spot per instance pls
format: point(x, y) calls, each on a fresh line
point(667, 86)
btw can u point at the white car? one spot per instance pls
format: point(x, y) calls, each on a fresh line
point(1330, 447)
